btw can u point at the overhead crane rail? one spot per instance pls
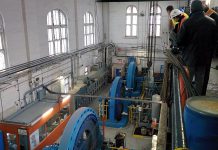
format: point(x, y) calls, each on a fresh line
point(19, 70)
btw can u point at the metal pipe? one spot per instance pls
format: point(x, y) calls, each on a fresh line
point(178, 126)
point(33, 89)
point(106, 52)
point(162, 129)
point(147, 100)
point(14, 71)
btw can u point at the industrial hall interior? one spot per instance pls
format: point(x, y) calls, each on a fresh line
point(108, 75)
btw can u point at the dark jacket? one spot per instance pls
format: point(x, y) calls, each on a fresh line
point(211, 13)
point(197, 36)
point(215, 17)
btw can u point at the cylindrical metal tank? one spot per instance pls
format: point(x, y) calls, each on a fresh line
point(155, 113)
point(201, 123)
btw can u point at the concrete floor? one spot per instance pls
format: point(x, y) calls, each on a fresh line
point(131, 142)
point(212, 89)
point(103, 92)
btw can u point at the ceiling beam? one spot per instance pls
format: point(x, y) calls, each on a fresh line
point(133, 0)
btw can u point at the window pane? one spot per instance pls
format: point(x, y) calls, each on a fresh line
point(91, 29)
point(92, 38)
point(87, 29)
point(91, 18)
point(151, 30)
point(128, 30)
point(63, 20)
point(57, 47)
point(134, 10)
point(51, 48)
point(57, 33)
point(134, 21)
point(88, 40)
point(52, 123)
point(1, 46)
point(2, 61)
point(84, 29)
point(63, 32)
point(56, 17)
point(152, 9)
point(12, 143)
point(151, 19)
point(128, 19)
point(85, 41)
point(87, 17)
point(49, 19)
point(42, 133)
point(158, 10)
point(134, 30)
point(49, 34)
point(128, 11)
point(158, 30)
point(64, 45)
point(158, 18)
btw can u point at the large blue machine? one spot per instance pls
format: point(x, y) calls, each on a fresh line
point(118, 109)
point(81, 133)
point(133, 83)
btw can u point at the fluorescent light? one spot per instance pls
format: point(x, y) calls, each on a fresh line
point(47, 112)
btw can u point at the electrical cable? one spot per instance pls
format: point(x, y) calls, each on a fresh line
point(7, 87)
point(2, 115)
point(176, 61)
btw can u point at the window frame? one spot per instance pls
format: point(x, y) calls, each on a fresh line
point(131, 14)
point(89, 25)
point(86, 71)
point(52, 27)
point(154, 21)
point(3, 43)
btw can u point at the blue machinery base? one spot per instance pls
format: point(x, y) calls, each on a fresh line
point(117, 107)
point(81, 133)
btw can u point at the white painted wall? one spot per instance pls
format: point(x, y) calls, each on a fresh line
point(37, 11)
point(117, 23)
point(36, 19)
point(96, 10)
point(117, 26)
point(213, 3)
point(14, 31)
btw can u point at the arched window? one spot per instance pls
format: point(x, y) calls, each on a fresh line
point(155, 21)
point(2, 45)
point(89, 29)
point(131, 21)
point(57, 32)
